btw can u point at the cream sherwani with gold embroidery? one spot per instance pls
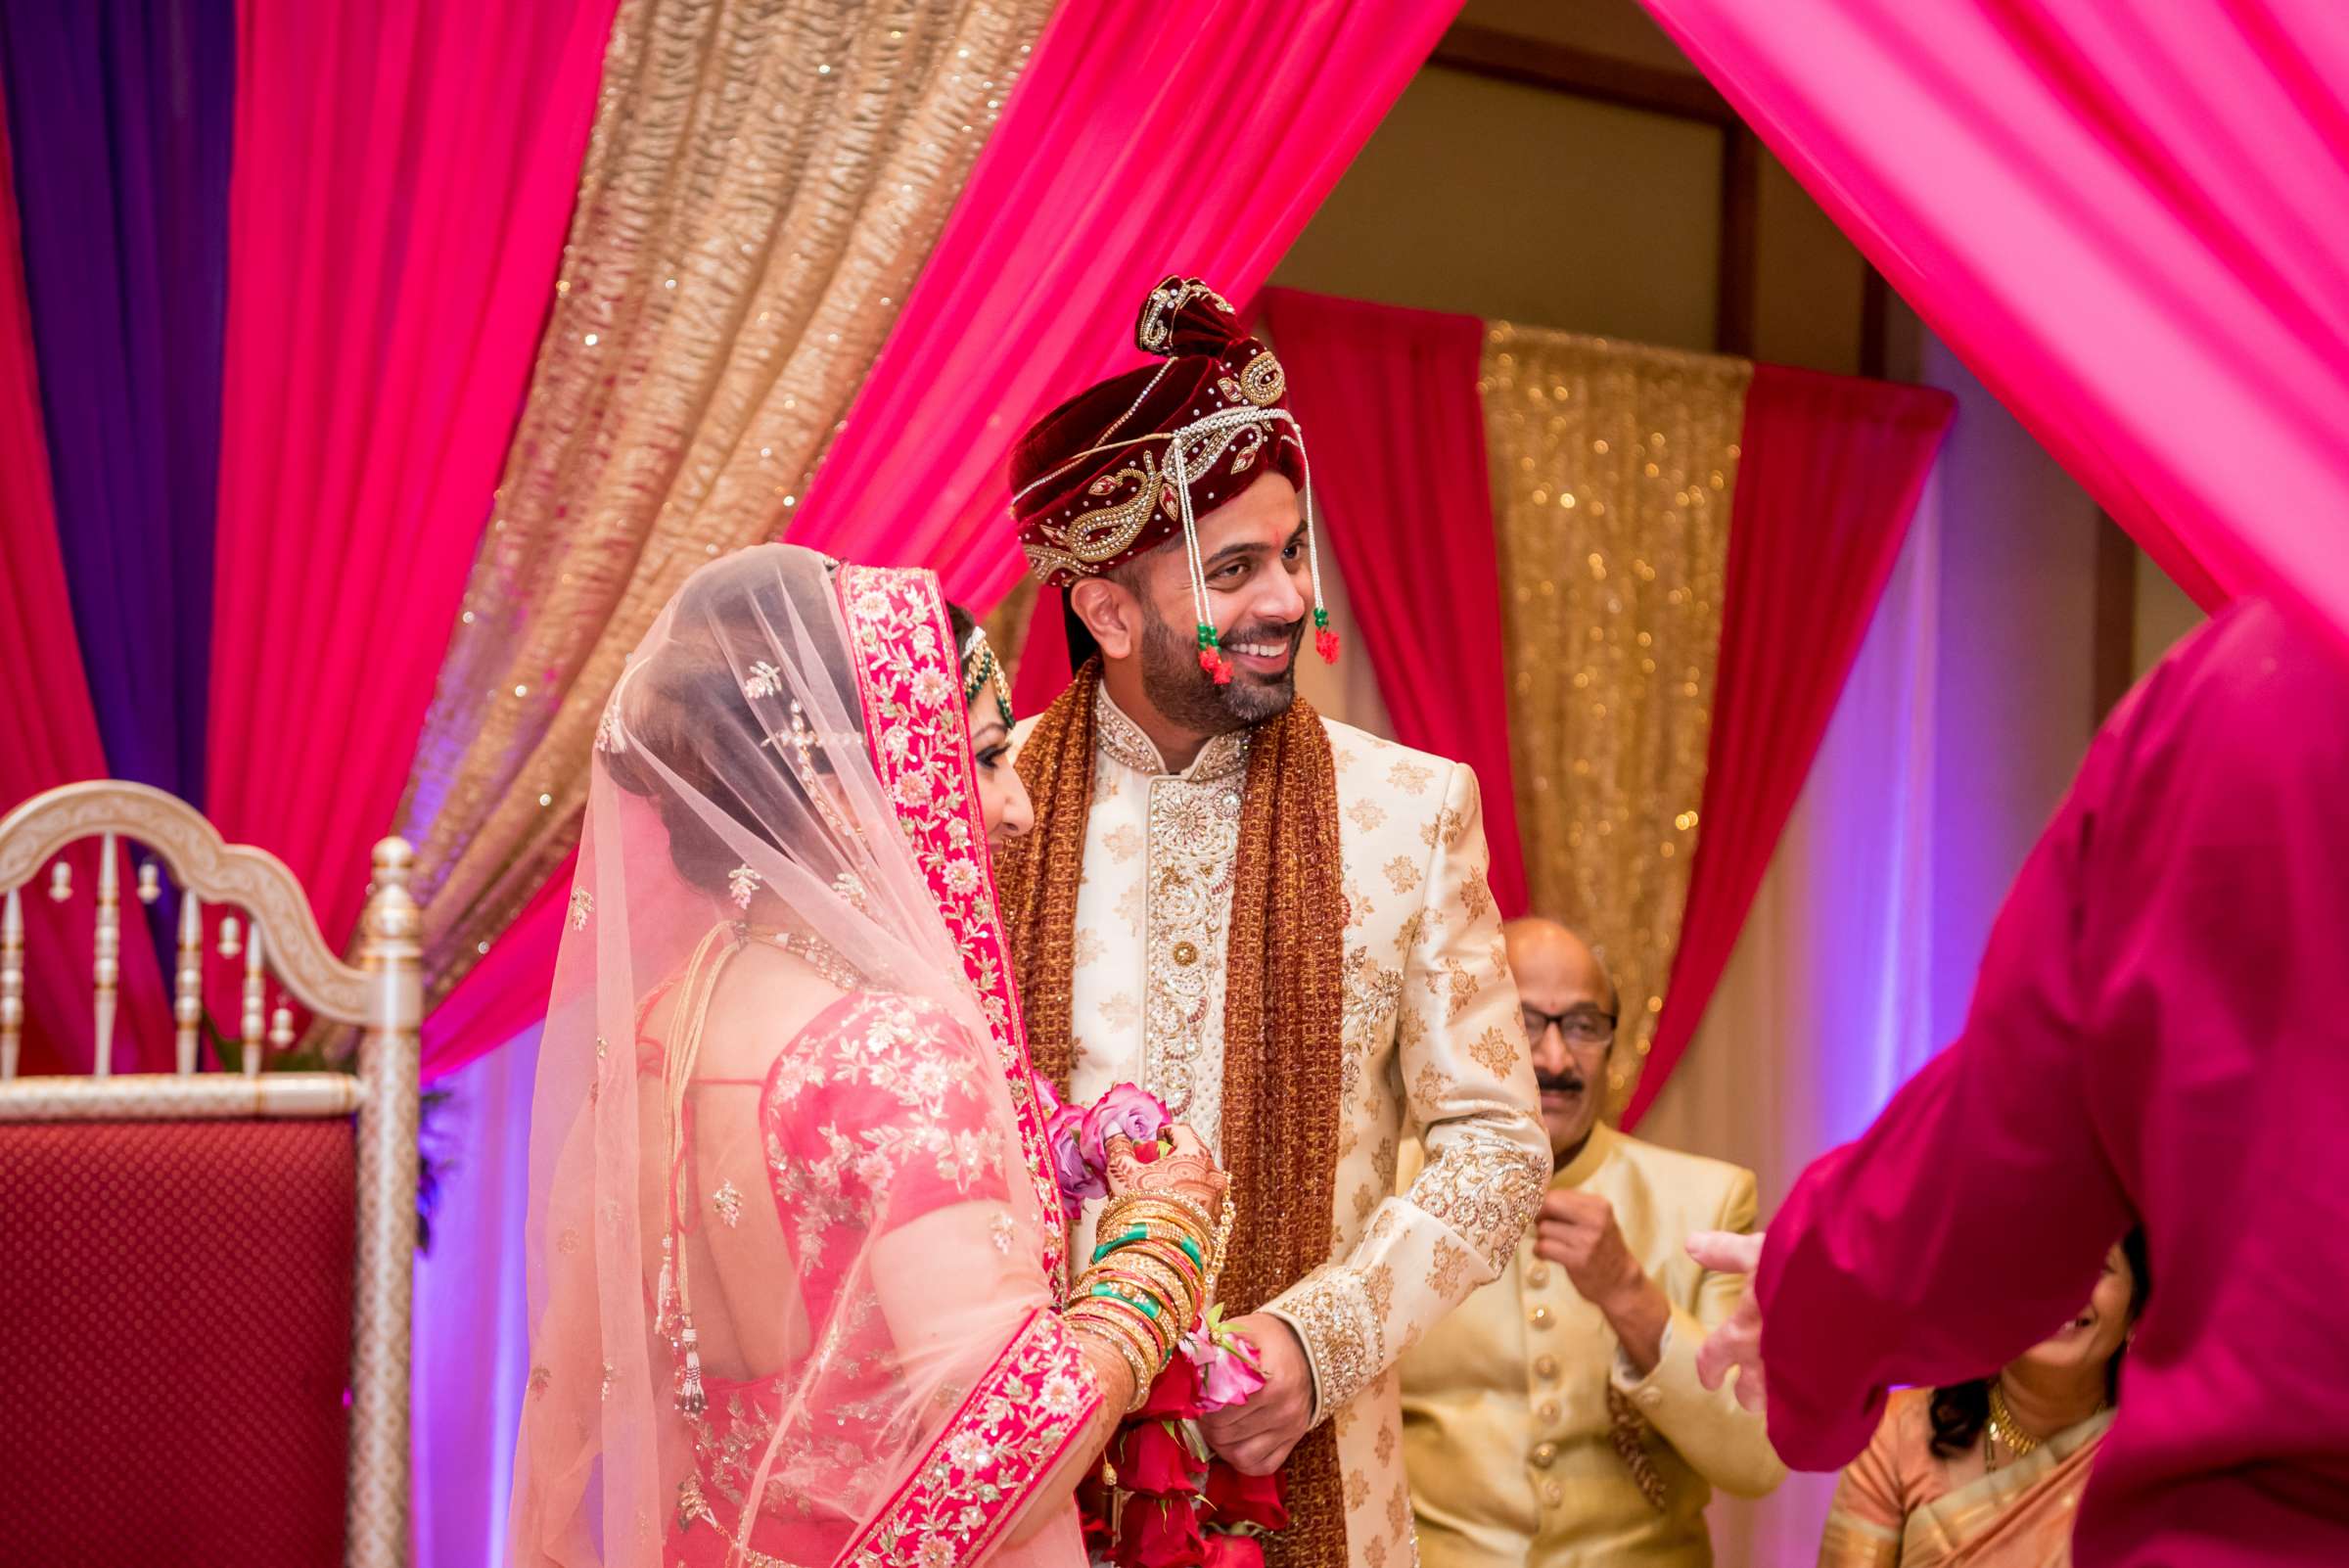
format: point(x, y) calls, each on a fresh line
point(1506, 1422)
point(1433, 1042)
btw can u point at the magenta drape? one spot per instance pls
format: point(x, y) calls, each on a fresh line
point(1142, 140)
point(2131, 221)
point(1396, 429)
point(505, 992)
point(1139, 140)
point(52, 730)
point(1828, 475)
point(403, 176)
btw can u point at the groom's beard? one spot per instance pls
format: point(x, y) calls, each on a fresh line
point(1187, 695)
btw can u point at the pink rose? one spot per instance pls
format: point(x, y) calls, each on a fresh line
point(1126, 1109)
point(1047, 1095)
point(1223, 1376)
point(1078, 1180)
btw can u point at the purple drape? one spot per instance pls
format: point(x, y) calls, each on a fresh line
point(119, 116)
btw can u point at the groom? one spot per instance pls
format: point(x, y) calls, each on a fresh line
point(1278, 924)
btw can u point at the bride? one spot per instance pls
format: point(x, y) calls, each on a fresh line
point(797, 1253)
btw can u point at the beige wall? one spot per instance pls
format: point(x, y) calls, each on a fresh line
point(2164, 614)
point(1611, 227)
point(1808, 280)
point(1523, 204)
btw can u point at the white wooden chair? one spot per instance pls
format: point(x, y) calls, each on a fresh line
point(173, 1302)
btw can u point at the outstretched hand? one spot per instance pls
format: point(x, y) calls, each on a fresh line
point(1736, 1344)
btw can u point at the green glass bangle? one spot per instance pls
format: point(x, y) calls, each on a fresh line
point(1136, 1299)
point(1189, 1247)
point(1114, 1242)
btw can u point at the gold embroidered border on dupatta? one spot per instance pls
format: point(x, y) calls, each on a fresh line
point(907, 668)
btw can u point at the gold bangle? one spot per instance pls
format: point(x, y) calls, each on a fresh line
point(1193, 1276)
point(1175, 1203)
point(1171, 1288)
point(1131, 1339)
point(1126, 1326)
point(1125, 1352)
point(1123, 1289)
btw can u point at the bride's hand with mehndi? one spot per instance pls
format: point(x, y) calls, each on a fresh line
point(1185, 1169)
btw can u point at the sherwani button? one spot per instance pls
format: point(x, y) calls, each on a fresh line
point(1546, 1366)
point(1548, 1413)
point(1538, 1277)
point(1545, 1455)
point(1540, 1318)
point(1186, 954)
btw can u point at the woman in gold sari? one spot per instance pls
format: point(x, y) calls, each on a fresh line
point(1988, 1474)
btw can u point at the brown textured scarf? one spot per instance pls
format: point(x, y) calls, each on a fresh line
point(1283, 1004)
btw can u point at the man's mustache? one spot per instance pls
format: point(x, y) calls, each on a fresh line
point(1559, 1082)
point(1264, 631)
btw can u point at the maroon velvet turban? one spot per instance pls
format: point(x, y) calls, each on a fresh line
point(1121, 469)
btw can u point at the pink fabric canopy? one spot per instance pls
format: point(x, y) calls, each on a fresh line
point(1104, 174)
point(2131, 221)
point(1142, 140)
point(401, 184)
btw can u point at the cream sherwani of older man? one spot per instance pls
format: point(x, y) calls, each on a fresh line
point(1433, 1044)
point(1515, 1406)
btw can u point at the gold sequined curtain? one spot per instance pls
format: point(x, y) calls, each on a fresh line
point(1613, 466)
point(764, 184)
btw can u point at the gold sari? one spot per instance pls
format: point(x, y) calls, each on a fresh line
point(1897, 1506)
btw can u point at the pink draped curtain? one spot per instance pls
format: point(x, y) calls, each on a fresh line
point(1139, 142)
point(2131, 221)
point(1143, 140)
point(403, 179)
point(53, 732)
point(1828, 475)
point(1396, 433)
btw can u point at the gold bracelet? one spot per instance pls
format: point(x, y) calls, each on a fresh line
point(1193, 1276)
point(1133, 1339)
point(1223, 1245)
point(1131, 1291)
point(1176, 1203)
point(1124, 1350)
point(1178, 1294)
point(1130, 1332)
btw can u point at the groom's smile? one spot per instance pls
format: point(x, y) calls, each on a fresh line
point(1265, 650)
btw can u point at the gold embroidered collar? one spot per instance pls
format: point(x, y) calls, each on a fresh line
point(1118, 736)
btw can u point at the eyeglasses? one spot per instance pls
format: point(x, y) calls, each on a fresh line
point(1581, 1025)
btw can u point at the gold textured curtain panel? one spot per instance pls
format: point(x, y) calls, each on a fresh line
point(764, 184)
point(1613, 466)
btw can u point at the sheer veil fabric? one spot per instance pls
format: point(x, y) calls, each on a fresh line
point(794, 1251)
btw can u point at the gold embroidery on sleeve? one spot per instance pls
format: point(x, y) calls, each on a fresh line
point(1487, 1189)
point(1495, 1052)
point(1331, 1309)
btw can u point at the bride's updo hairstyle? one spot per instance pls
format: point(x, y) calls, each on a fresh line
point(710, 714)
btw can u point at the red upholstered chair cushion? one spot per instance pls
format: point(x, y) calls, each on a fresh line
point(175, 1341)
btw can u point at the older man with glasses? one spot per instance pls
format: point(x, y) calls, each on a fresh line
point(1556, 1417)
